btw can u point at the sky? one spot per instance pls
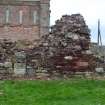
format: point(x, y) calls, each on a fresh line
point(92, 10)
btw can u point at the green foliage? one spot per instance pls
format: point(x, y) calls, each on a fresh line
point(61, 92)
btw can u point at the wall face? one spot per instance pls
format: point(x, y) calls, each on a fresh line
point(23, 20)
point(19, 33)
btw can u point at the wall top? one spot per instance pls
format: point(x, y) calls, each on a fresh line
point(21, 1)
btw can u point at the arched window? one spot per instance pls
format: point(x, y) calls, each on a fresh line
point(35, 17)
point(7, 16)
point(20, 17)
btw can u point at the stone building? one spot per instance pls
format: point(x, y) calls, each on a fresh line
point(24, 19)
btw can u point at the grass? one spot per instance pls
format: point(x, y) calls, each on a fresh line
point(65, 92)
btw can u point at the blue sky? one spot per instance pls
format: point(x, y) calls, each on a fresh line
point(92, 10)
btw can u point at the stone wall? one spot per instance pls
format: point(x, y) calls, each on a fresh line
point(97, 50)
point(19, 33)
point(21, 19)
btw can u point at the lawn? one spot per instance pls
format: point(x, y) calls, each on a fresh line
point(61, 92)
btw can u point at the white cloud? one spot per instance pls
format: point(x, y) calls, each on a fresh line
point(90, 9)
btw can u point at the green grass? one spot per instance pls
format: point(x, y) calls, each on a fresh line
point(62, 92)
